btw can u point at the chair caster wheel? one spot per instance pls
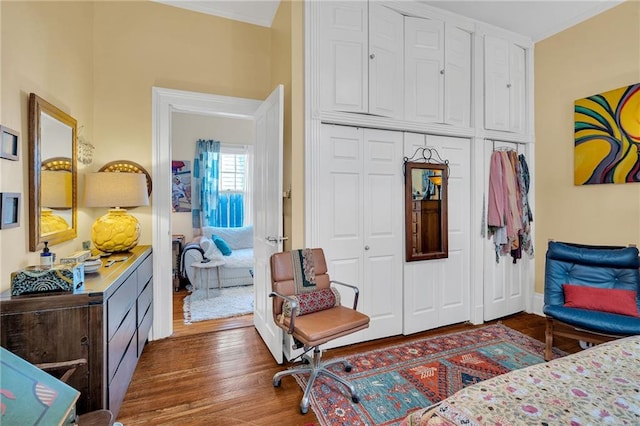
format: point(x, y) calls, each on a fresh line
point(348, 368)
point(355, 399)
point(276, 383)
point(304, 410)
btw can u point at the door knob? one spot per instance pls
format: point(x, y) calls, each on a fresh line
point(367, 247)
point(276, 239)
point(372, 56)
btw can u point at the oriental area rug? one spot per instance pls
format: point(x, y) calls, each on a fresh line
point(221, 303)
point(394, 381)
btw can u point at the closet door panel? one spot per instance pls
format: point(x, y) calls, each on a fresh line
point(504, 281)
point(457, 78)
point(455, 295)
point(444, 283)
point(386, 40)
point(424, 63)
point(344, 56)
point(340, 189)
point(383, 236)
point(517, 96)
point(496, 68)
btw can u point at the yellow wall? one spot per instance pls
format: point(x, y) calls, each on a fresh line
point(597, 55)
point(46, 49)
point(287, 68)
point(98, 61)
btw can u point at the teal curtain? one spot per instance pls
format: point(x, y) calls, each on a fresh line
point(206, 173)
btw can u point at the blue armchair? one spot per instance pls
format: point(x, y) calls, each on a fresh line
point(599, 268)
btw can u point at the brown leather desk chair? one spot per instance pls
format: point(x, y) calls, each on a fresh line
point(291, 305)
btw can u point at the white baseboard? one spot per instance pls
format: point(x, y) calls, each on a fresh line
point(538, 303)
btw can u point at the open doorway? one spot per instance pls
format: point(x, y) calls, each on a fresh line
point(213, 285)
point(267, 196)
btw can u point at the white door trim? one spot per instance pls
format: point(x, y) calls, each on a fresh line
point(164, 103)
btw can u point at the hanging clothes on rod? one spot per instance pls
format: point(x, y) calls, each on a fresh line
point(509, 214)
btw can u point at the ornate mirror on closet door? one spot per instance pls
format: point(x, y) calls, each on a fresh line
point(52, 174)
point(426, 220)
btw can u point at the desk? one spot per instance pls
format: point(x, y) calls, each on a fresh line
point(206, 267)
point(31, 397)
point(177, 243)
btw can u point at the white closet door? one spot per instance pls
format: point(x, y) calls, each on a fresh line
point(423, 70)
point(437, 292)
point(457, 77)
point(386, 41)
point(517, 85)
point(504, 281)
point(383, 237)
point(496, 95)
point(340, 188)
point(344, 56)
point(360, 226)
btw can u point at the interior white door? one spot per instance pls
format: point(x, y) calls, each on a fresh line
point(383, 237)
point(517, 86)
point(360, 226)
point(267, 216)
point(344, 56)
point(386, 42)
point(496, 95)
point(504, 281)
point(457, 78)
point(423, 70)
point(437, 292)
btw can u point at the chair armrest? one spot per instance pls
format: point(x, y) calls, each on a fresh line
point(294, 309)
point(355, 290)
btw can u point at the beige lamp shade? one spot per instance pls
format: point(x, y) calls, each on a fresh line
point(56, 189)
point(117, 230)
point(115, 189)
point(436, 179)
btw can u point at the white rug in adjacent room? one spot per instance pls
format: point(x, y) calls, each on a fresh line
point(223, 303)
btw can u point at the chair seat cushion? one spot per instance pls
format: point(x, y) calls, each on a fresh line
point(319, 327)
point(602, 322)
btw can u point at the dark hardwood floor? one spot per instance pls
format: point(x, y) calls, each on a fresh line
point(219, 373)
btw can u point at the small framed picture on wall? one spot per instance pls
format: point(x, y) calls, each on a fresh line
point(10, 143)
point(9, 209)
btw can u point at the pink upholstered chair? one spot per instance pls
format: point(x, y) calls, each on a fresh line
point(307, 307)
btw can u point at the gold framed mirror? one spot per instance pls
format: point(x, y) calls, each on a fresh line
point(426, 211)
point(53, 182)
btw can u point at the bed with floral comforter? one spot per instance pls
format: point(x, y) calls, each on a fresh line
point(600, 385)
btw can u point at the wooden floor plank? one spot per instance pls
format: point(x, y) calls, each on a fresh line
point(219, 373)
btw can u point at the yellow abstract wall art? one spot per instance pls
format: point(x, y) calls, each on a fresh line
point(607, 137)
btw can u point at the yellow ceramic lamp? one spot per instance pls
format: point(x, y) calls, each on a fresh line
point(117, 230)
point(50, 222)
point(55, 194)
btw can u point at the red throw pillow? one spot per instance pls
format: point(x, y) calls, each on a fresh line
point(612, 300)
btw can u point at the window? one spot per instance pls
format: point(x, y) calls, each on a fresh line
point(232, 188)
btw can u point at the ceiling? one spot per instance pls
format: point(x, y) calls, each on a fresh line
point(537, 19)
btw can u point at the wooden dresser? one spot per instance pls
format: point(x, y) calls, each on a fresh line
point(107, 323)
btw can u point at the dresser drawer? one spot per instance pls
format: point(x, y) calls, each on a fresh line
point(120, 303)
point(118, 344)
point(145, 271)
point(120, 382)
point(144, 300)
point(144, 328)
